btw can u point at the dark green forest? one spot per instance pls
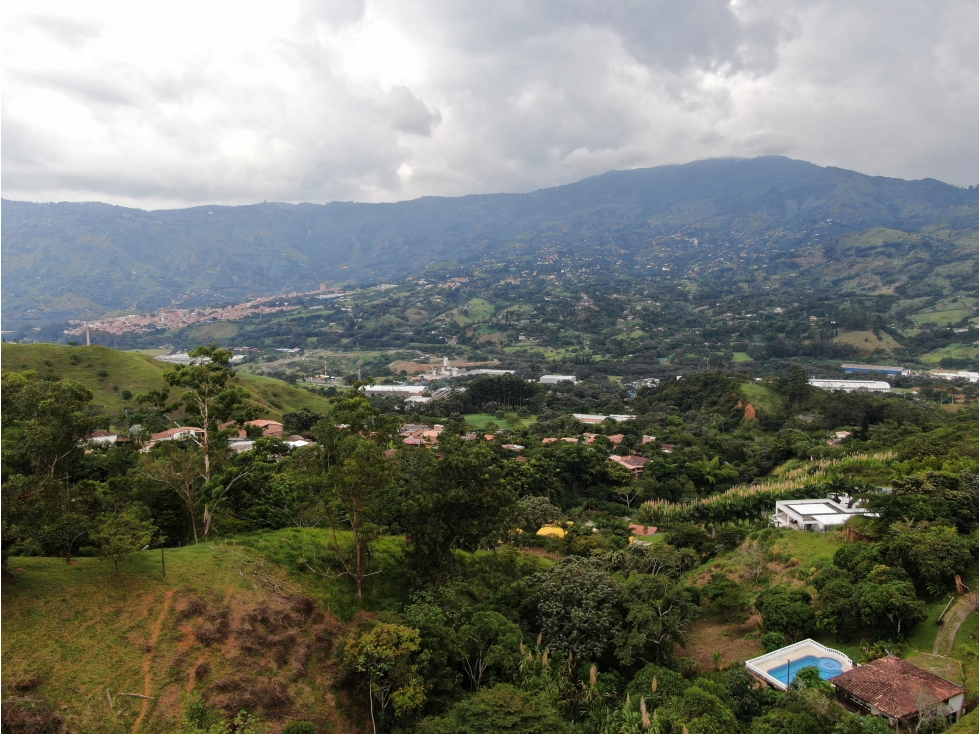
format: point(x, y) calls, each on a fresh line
point(445, 610)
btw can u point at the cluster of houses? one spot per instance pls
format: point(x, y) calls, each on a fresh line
point(895, 689)
point(418, 434)
point(239, 443)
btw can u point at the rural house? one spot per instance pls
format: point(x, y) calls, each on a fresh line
point(899, 691)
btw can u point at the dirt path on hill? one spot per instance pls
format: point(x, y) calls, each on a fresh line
point(147, 661)
point(953, 620)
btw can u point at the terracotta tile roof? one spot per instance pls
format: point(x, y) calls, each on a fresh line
point(896, 687)
point(172, 433)
point(635, 463)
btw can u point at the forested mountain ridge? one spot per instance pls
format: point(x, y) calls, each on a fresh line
point(71, 260)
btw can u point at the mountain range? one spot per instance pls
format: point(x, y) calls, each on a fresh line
point(85, 260)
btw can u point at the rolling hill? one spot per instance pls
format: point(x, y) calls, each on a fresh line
point(109, 372)
point(71, 260)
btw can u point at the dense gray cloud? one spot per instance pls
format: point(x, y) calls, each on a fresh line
point(177, 103)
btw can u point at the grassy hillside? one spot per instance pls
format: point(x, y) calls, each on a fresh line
point(109, 372)
point(867, 341)
point(226, 626)
point(761, 396)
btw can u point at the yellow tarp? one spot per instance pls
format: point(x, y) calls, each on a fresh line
point(553, 531)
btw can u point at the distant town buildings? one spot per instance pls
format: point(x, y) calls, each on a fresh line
point(851, 385)
point(955, 375)
point(885, 369)
point(185, 358)
point(594, 419)
point(174, 318)
point(557, 379)
point(398, 391)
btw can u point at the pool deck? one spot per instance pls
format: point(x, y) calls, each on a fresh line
point(760, 666)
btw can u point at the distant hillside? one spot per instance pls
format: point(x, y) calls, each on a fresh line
point(109, 372)
point(69, 260)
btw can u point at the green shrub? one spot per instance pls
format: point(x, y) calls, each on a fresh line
point(772, 641)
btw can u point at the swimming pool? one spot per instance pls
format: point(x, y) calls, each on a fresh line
point(828, 668)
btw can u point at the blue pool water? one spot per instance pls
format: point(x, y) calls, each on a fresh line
point(828, 668)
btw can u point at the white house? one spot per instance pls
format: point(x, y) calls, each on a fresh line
point(818, 515)
point(102, 437)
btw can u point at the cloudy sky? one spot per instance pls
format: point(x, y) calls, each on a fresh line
point(161, 104)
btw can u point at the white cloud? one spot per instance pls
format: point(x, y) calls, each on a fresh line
point(177, 103)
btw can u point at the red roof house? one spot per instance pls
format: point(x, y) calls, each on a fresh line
point(899, 691)
point(269, 427)
point(634, 463)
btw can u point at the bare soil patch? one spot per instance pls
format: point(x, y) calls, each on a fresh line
point(729, 640)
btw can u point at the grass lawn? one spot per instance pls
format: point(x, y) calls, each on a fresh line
point(481, 419)
point(809, 548)
point(476, 309)
point(217, 331)
point(742, 357)
point(966, 650)
point(952, 316)
point(948, 310)
point(867, 341)
point(150, 352)
point(923, 637)
point(969, 724)
point(957, 351)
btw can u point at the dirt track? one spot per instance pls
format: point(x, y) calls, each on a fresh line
point(953, 620)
